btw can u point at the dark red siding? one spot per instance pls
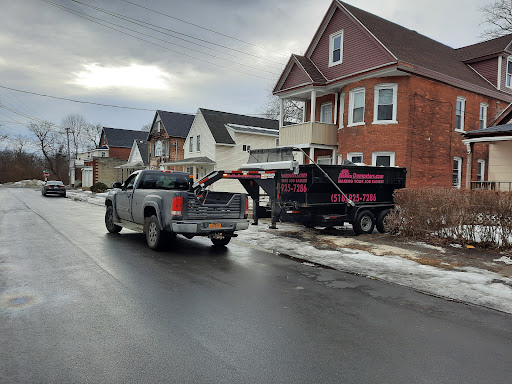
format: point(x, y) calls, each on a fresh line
point(296, 77)
point(488, 69)
point(361, 51)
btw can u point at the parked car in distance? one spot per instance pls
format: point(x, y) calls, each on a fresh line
point(53, 187)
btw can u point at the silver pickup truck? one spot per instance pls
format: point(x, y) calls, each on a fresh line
point(162, 204)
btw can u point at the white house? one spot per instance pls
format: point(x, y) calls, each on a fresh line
point(221, 141)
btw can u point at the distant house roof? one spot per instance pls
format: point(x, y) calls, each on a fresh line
point(411, 47)
point(191, 160)
point(257, 130)
point(122, 138)
point(217, 121)
point(485, 48)
point(175, 124)
point(143, 150)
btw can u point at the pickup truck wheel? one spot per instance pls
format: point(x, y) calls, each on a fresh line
point(380, 221)
point(364, 223)
point(109, 221)
point(153, 232)
point(221, 242)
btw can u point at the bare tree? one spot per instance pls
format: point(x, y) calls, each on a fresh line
point(146, 127)
point(92, 136)
point(19, 142)
point(293, 110)
point(498, 16)
point(76, 126)
point(51, 142)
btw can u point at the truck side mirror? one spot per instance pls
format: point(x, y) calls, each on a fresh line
point(117, 184)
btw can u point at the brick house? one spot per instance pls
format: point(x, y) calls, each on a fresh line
point(100, 164)
point(167, 137)
point(378, 93)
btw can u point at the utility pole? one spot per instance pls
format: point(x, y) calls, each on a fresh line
point(68, 158)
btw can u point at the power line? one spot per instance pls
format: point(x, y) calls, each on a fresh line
point(90, 18)
point(145, 25)
point(207, 29)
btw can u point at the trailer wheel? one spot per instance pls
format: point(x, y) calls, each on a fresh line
point(380, 221)
point(364, 223)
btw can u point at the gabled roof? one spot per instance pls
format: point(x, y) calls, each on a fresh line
point(256, 130)
point(411, 47)
point(122, 138)
point(310, 68)
point(217, 121)
point(175, 124)
point(485, 48)
point(143, 150)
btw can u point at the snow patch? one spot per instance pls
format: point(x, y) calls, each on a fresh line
point(504, 259)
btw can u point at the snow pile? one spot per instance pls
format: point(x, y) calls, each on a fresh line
point(507, 260)
point(88, 197)
point(25, 184)
point(470, 285)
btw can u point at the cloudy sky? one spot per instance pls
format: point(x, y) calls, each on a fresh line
point(138, 54)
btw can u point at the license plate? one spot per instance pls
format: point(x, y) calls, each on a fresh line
point(214, 225)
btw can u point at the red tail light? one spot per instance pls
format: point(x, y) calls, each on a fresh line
point(246, 207)
point(177, 206)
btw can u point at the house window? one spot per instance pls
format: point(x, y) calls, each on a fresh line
point(246, 148)
point(277, 142)
point(158, 126)
point(355, 157)
point(460, 110)
point(102, 154)
point(191, 144)
point(509, 72)
point(323, 160)
point(385, 102)
point(383, 159)
point(457, 172)
point(336, 48)
point(483, 116)
point(198, 143)
point(326, 113)
point(158, 148)
point(356, 107)
point(480, 170)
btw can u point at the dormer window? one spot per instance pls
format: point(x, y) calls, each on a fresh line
point(336, 48)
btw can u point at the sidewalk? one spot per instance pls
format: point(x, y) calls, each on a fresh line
point(467, 275)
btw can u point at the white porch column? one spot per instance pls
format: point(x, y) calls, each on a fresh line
point(334, 160)
point(304, 113)
point(281, 113)
point(335, 120)
point(312, 153)
point(313, 105)
point(469, 164)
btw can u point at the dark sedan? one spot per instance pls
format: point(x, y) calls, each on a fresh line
point(54, 187)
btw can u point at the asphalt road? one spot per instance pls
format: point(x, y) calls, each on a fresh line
point(79, 305)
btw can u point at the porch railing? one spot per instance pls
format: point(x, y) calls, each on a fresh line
point(308, 132)
point(492, 185)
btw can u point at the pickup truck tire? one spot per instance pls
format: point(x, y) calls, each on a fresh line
point(380, 221)
point(109, 221)
point(364, 223)
point(221, 242)
point(153, 233)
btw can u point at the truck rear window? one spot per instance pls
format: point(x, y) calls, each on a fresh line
point(164, 181)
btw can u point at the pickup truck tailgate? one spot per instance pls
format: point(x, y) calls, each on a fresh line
point(234, 208)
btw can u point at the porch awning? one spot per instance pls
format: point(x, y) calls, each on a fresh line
point(133, 164)
point(192, 161)
point(497, 133)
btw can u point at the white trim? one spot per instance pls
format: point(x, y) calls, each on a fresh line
point(484, 119)
point(384, 153)
point(372, 75)
point(487, 139)
point(509, 60)
point(482, 174)
point(350, 155)
point(459, 170)
point(335, 117)
point(342, 110)
point(322, 113)
point(333, 36)
point(500, 64)
point(312, 114)
point(462, 113)
point(351, 106)
point(378, 87)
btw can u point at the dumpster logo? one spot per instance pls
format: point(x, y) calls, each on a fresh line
point(345, 177)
